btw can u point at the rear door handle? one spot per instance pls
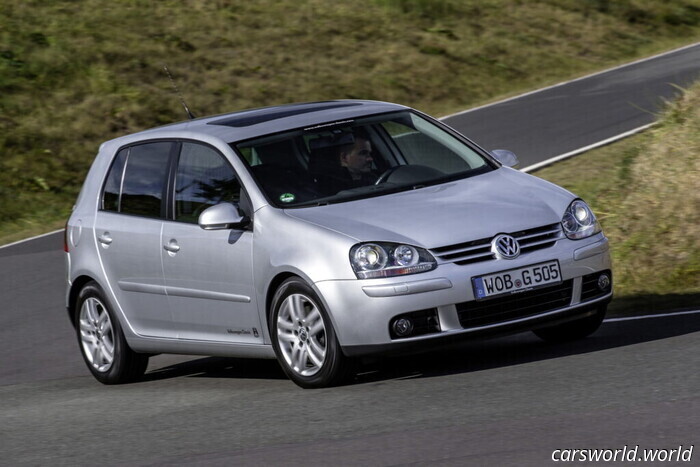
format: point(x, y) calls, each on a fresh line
point(105, 238)
point(172, 246)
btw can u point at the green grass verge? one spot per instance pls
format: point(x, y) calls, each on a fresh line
point(646, 193)
point(73, 74)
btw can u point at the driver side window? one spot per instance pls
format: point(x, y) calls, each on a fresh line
point(204, 178)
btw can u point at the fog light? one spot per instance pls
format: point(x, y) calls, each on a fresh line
point(403, 327)
point(603, 282)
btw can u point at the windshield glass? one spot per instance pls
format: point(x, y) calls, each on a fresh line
point(357, 159)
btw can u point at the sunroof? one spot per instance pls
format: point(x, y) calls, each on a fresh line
point(254, 117)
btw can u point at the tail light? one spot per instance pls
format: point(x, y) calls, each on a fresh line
point(65, 238)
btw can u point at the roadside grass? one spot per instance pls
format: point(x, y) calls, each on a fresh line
point(50, 215)
point(646, 192)
point(74, 74)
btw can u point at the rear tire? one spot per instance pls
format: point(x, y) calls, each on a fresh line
point(303, 337)
point(573, 330)
point(101, 340)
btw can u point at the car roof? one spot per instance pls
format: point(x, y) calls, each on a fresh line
point(251, 123)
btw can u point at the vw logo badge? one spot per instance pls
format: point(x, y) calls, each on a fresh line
point(505, 247)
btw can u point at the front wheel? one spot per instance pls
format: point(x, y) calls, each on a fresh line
point(573, 330)
point(102, 342)
point(303, 337)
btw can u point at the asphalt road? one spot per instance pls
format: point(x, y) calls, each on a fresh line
point(564, 118)
point(508, 401)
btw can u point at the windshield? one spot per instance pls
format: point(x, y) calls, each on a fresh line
point(357, 159)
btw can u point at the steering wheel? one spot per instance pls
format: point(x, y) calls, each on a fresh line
point(387, 173)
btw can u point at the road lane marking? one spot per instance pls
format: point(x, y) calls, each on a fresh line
point(578, 151)
point(30, 239)
point(508, 99)
point(660, 315)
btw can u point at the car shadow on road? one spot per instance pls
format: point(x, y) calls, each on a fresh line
point(526, 347)
point(469, 356)
point(219, 367)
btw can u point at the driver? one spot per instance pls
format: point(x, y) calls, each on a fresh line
point(356, 158)
point(342, 162)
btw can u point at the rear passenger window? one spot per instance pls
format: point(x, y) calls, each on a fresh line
point(136, 182)
point(204, 178)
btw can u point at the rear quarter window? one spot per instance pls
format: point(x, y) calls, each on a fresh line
point(113, 186)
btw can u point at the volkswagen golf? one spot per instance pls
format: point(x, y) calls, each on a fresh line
point(317, 233)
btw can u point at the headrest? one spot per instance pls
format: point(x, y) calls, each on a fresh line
point(337, 140)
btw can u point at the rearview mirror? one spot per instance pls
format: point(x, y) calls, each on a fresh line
point(506, 157)
point(222, 216)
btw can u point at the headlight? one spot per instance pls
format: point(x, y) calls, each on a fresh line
point(370, 257)
point(579, 221)
point(371, 260)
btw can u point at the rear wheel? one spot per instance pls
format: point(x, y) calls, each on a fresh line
point(303, 337)
point(102, 342)
point(573, 330)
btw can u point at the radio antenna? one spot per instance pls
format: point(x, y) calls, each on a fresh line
point(179, 94)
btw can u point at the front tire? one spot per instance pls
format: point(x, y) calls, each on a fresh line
point(303, 337)
point(102, 342)
point(573, 330)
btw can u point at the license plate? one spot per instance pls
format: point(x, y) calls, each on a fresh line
point(516, 280)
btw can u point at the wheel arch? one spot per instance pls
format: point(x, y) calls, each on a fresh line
point(275, 284)
point(272, 289)
point(75, 289)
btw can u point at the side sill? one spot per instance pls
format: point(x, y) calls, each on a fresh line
point(194, 347)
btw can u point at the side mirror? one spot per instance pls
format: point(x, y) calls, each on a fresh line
point(506, 157)
point(222, 216)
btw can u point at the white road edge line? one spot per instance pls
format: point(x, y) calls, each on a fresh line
point(30, 239)
point(641, 60)
point(576, 152)
point(661, 315)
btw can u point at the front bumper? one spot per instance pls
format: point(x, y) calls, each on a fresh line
point(362, 310)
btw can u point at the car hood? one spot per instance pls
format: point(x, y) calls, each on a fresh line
point(501, 201)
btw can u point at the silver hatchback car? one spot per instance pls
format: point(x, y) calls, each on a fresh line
point(316, 233)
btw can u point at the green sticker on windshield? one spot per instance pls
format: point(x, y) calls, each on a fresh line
point(287, 197)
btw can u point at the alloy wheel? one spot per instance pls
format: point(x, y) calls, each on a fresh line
point(301, 334)
point(96, 334)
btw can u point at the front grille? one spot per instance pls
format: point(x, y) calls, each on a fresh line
point(480, 250)
point(589, 286)
point(519, 305)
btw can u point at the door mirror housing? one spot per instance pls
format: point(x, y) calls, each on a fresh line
point(506, 158)
point(222, 216)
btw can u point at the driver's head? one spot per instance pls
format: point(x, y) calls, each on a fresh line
point(357, 157)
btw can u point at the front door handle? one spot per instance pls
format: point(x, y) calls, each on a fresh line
point(172, 246)
point(105, 238)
